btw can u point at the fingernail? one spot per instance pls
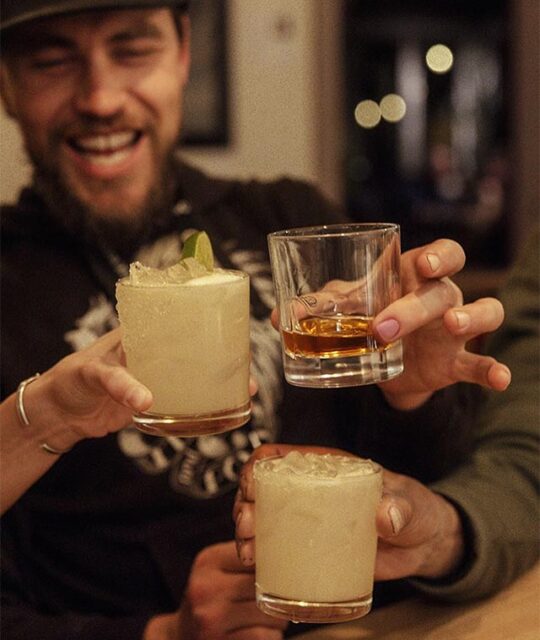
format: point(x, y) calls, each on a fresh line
point(244, 555)
point(388, 329)
point(463, 319)
point(505, 377)
point(434, 261)
point(396, 519)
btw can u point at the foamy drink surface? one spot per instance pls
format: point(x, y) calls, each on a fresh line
point(188, 271)
point(317, 466)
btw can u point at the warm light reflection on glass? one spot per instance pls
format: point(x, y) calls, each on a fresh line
point(367, 114)
point(439, 58)
point(393, 107)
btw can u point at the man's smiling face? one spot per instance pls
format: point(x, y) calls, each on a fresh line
point(98, 97)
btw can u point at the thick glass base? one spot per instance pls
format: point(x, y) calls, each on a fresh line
point(203, 424)
point(351, 371)
point(316, 612)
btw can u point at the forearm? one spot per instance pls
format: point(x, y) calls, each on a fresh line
point(22, 456)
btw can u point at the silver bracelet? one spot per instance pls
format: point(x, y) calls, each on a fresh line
point(23, 417)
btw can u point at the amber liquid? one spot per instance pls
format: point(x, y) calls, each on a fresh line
point(331, 337)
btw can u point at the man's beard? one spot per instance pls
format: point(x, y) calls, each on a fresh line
point(122, 234)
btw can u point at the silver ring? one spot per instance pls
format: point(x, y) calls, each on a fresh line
point(55, 452)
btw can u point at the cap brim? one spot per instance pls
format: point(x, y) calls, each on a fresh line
point(28, 10)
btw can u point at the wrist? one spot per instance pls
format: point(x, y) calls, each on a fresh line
point(447, 550)
point(405, 401)
point(42, 419)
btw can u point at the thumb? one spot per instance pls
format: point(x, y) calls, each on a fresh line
point(394, 514)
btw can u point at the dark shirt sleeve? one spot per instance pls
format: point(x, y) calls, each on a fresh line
point(497, 489)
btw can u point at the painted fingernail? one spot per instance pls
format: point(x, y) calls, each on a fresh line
point(388, 329)
point(396, 519)
point(463, 319)
point(434, 261)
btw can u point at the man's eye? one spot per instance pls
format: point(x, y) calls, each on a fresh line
point(51, 62)
point(135, 53)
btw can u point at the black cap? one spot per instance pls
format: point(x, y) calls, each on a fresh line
point(17, 12)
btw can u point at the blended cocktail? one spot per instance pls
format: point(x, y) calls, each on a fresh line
point(316, 538)
point(185, 333)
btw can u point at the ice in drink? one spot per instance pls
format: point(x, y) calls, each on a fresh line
point(315, 536)
point(185, 332)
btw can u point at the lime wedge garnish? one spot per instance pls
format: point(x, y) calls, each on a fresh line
point(198, 246)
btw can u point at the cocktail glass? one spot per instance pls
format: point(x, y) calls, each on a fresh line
point(187, 340)
point(315, 540)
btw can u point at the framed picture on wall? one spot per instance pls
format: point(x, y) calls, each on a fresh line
point(205, 101)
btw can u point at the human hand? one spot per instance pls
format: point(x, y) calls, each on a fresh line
point(435, 327)
point(219, 603)
point(87, 394)
point(431, 320)
point(419, 531)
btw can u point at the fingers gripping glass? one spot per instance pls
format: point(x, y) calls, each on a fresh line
point(330, 283)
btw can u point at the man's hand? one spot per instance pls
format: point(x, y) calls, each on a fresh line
point(419, 531)
point(219, 603)
point(435, 327)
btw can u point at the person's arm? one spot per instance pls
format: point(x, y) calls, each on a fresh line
point(497, 491)
point(86, 395)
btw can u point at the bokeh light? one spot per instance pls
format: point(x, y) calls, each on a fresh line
point(393, 107)
point(439, 58)
point(367, 114)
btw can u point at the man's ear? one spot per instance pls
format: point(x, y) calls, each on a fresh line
point(6, 92)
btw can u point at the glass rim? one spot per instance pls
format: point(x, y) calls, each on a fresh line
point(335, 230)
point(376, 468)
point(242, 275)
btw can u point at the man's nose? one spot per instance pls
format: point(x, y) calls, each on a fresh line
point(100, 93)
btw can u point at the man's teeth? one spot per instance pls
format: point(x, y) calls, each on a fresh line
point(110, 143)
point(109, 158)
